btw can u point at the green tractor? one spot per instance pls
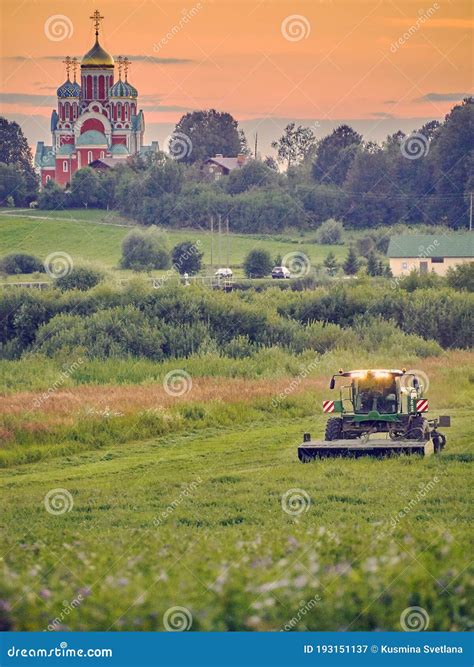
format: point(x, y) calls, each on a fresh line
point(372, 402)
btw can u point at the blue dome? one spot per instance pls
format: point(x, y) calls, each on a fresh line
point(69, 89)
point(123, 89)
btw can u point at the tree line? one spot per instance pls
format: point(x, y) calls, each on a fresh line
point(422, 178)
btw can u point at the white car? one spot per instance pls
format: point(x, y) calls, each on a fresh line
point(224, 273)
point(280, 272)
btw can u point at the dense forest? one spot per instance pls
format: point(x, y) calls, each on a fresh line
point(423, 178)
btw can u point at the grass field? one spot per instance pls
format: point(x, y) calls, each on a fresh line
point(125, 507)
point(97, 236)
point(201, 516)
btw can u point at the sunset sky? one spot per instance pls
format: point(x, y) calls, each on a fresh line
point(266, 62)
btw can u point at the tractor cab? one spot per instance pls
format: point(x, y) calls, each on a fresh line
point(373, 391)
point(378, 391)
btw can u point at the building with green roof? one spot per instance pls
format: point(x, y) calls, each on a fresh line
point(428, 253)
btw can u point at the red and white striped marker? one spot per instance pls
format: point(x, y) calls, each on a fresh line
point(422, 405)
point(328, 406)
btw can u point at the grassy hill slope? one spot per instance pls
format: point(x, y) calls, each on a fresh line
point(97, 236)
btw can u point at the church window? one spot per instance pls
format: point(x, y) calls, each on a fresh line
point(95, 87)
point(48, 178)
point(89, 156)
point(64, 165)
point(102, 154)
point(89, 87)
point(101, 87)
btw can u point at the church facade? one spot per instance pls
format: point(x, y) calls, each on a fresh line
point(96, 119)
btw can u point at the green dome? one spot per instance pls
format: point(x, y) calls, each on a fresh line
point(92, 138)
point(119, 149)
point(123, 89)
point(66, 149)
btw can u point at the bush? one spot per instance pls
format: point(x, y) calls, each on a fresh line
point(187, 258)
point(12, 185)
point(81, 277)
point(144, 251)
point(330, 232)
point(462, 277)
point(258, 263)
point(415, 280)
point(239, 347)
point(52, 197)
point(20, 263)
point(116, 332)
point(253, 174)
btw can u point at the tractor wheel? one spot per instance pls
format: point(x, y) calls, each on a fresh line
point(419, 429)
point(439, 441)
point(333, 429)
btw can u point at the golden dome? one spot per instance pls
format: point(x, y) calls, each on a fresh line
point(97, 57)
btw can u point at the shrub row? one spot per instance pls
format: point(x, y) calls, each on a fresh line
point(138, 321)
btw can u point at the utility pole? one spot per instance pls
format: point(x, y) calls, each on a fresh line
point(219, 240)
point(212, 245)
point(228, 240)
point(470, 215)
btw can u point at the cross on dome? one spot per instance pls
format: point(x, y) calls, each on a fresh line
point(68, 62)
point(74, 64)
point(126, 65)
point(96, 19)
point(120, 65)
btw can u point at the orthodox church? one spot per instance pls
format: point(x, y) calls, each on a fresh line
point(97, 121)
